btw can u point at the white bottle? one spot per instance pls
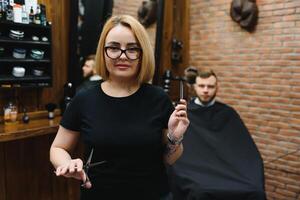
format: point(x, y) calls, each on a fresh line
point(17, 13)
point(25, 16)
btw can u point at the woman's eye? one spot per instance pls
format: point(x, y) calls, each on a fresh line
point(114, 49)
point(133, 50)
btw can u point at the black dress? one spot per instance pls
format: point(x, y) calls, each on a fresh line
point(127, 133)
point(220, 160)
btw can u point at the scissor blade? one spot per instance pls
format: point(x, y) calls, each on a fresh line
point(88, 162)
point(98, 163)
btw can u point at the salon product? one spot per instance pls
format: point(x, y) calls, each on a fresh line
point(9, 13)
point(31, 15)
point(35, 38)
point(18, 71)
point(25, 117)
point(16, 34)
point(37, 72)
point(43, 15)
point(25, 16)
point(3, 5)
point(37, 54)
point(17, 12)
point(37, 16)
point(44, 39)
point(50, 107)
point(19, 53)
point(10, 113)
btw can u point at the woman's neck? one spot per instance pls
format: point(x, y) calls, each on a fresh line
point(119, 88)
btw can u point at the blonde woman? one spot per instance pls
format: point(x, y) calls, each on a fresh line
point(130, 125)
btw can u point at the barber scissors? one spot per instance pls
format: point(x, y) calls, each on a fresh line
point(89, 165)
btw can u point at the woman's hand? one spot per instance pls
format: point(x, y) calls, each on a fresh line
point(178, 121)
point(74, 169)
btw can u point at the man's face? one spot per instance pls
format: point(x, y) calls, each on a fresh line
point(88, 68)
point(206, 89)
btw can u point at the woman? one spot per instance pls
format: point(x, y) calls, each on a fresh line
point(123, 121)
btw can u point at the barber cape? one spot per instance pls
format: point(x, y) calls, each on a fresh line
point(89, 82)
point(220, 160)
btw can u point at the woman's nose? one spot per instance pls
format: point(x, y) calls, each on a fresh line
point(123, 56)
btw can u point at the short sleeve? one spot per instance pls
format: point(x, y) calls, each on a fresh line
point(71, 118)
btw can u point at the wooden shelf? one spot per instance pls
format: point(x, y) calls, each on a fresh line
point(29, 81)
point(11, 41)
point(10, 78)
point(34, 128)
point(7, 61)
point(25, 60)
point(20, 25)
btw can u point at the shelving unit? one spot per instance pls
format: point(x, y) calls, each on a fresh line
point(7, 61)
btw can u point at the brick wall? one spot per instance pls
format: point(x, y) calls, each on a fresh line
point(130, 7)
point(259, 75)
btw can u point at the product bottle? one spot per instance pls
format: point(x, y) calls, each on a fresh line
point(43, 15)
point(25, 17)
point(25, 117)
point(2, 11)
point(37, 16)
point(10, 113)
point(17, 10)
point(31, 15)
point(9, 13)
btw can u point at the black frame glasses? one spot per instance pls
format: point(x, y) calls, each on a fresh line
point(134, 55)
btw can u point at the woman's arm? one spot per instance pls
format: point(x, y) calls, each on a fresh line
point(62, 146)
point(60, 150)
point(177, 125)
point(172, 151)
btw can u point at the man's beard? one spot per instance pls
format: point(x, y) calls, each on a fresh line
point(210, 100)
point(87, 76)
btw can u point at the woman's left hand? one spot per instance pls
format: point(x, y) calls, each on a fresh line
point(178, 121)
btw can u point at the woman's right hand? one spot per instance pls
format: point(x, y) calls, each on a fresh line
point(74, 169)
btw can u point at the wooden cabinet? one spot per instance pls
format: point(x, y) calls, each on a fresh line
point(26, 46)
point(25, 169)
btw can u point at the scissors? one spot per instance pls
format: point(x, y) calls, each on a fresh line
point(89, 165)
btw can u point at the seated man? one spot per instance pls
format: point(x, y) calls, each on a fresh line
point(220, 160)
point(89, 73)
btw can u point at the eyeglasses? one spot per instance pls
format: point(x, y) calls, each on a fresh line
point(114, 53)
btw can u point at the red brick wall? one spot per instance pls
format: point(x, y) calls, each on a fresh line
point(130, 7)
point(259, 75)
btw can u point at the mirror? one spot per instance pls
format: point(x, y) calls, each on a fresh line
point(87, 18)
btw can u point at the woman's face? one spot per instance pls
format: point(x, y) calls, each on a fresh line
point(122, 54)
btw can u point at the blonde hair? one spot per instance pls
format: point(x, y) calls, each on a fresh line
point(147, 63)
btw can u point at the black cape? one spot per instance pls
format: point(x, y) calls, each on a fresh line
point(220, 159)
point(87, 84)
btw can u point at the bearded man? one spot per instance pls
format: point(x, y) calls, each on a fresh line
point(220, 160)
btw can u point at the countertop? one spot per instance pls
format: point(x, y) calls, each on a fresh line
point(36, 127)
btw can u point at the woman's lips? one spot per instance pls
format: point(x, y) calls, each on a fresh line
point(122, 66)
